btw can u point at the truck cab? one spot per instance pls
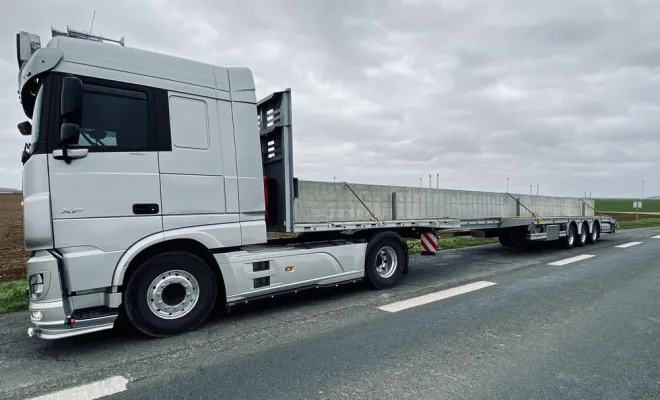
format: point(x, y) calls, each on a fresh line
point(128, 149)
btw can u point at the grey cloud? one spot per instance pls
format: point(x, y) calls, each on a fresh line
point(561, 93)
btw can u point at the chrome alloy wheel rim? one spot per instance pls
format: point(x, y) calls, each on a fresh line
point(386, 262)
point(173, 294)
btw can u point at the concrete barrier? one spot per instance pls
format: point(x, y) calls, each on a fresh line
point(328, 201)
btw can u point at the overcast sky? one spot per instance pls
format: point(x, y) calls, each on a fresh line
point(561, 93)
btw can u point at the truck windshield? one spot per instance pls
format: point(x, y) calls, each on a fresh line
point(36, 121)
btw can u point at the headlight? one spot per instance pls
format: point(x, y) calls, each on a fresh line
point(36, 285)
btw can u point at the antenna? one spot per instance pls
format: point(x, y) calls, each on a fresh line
point(92, 27)
point(72, 33)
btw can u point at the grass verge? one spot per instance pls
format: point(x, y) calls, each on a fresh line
point(12, 296)
point(457, 242)
point(639, 223)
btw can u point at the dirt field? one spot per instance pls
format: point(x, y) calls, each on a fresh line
point(12, 253)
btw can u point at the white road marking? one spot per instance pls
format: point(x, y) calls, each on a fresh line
point(572, 259)
point(90, 391)
point(626, 245)
point(431, 297)
point(655, 237)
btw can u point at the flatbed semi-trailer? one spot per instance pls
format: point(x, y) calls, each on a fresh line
point(149, 188)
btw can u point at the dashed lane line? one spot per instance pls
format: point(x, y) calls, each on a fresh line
point(571, 260)
point(629, 244)
point(431, 297)
point(94, 390)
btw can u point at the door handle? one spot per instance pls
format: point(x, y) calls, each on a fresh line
point(141, 209)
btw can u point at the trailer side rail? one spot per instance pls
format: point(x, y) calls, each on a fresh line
point(442, 223)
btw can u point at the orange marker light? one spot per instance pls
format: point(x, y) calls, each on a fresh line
point(288, 268)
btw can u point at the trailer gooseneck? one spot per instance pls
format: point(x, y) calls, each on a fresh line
point(148, 186)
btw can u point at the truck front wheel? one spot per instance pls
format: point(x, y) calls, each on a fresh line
point(170, 293)
point(385, 260)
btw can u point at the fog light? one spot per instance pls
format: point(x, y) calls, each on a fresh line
point(37, 315)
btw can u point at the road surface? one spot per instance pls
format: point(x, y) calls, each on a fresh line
point(480, 323)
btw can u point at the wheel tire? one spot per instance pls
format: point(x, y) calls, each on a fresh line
point(582, 237)
point(385, 272)
point(569, 239)
point(593, 237)
point(507, 241)
point(182, 276)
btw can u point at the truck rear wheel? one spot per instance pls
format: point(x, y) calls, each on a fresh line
point(595, 232)
point(582, 237)
point(385, 260)
point(507, 240)
point(170, 293)
point(569, 239)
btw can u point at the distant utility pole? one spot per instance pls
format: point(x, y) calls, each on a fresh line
point(420, 182)
point(639, 204)
point(530, 190)
point(429, 181)
point(641, 196)
point(437, 181)
point(507, 185)
point(537, 189)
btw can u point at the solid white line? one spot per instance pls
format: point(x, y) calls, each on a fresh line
point(655, 237)
point(90, 391)
point(626, 245)
point(431, 297)
point(572, 259)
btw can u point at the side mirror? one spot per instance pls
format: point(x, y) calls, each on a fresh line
point(69, 134)
point(72, 99)
point(25, 128)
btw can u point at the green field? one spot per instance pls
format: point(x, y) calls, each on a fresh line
point(450, 243)
point(12, 296)
point(641, 223)
point(626, 205)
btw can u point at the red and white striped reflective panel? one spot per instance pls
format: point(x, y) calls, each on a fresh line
point(429, 242)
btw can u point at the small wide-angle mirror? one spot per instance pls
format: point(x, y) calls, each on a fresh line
point(25, 128)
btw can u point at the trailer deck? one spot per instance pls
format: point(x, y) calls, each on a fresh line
point(446, 223)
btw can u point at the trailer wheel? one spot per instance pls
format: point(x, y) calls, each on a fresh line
point(593, 237)
point(385, 260)
point(170, 293)
point(582, 237)
point(569, 239)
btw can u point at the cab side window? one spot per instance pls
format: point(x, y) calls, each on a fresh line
point(114, 119)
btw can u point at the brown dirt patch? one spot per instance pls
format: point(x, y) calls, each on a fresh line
point(12, 251)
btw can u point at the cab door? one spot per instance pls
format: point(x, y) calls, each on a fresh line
point(107, 196)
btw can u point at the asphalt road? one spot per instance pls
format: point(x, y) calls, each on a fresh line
point(588, 329)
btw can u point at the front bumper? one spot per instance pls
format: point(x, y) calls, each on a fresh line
point(50, 312)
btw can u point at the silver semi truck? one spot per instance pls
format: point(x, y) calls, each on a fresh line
point(153, 185)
